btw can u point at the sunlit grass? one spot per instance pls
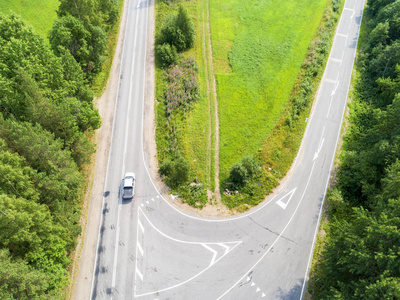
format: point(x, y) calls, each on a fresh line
point(258, 49)
point(40, 14)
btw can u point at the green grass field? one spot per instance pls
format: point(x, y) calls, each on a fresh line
point(258, 49)
point(38, 13)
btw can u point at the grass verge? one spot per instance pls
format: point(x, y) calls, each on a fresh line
point(39, 14)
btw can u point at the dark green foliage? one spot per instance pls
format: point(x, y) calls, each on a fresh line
point(103, 13)
point(238, 174)
point(178, 30)
point(87, 45)
point(361, 258)
point(46, 114)
point(166, 55)
point(38, 87)
point(243, 171)
point(181, 90)
point(175, 172)
point(19, 280)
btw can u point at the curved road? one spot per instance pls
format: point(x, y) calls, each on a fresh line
point(147, 249)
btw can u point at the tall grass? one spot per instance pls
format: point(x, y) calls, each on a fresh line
point(40, 14)
point(258, 49)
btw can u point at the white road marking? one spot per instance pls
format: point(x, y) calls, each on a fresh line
point(330, 80)
point(140, 225)
point(140, 274)
point(330, 169)
point(226, 248)
point(336, 60)
point(336, 86)
point(276, 240)
point(342, 35)
point(253, 284)
point(258, 289)
point(248, 278)
point(349, 9)
point(263, 295)
point(213, 251)
point(140, 248)
point(321, 142)
point(109, 159)
point(152, 199)
point(288, 195)
point(236, 243)
point(147, 202)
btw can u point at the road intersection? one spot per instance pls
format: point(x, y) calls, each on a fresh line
point(148, 249)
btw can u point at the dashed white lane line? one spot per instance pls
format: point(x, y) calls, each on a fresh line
point(140, 248)
point(141, 226)
point(139, 274)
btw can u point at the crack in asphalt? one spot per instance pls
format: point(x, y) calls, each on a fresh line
point(266, 228)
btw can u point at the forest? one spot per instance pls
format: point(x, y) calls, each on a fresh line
point(361, 250)
point(47, 119)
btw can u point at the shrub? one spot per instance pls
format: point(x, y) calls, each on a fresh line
point(178, 30)
point(238, 174)
point(166, 55)
point(180, 172)
point(250, 164)
point(165, 168)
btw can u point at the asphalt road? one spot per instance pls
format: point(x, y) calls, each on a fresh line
point(147, 249)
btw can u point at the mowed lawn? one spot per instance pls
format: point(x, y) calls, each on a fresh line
point(38, 13)
point(258, 48)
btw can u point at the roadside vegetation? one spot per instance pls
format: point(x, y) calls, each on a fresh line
point(358, 254)
point(267, 62)
point(47, 119)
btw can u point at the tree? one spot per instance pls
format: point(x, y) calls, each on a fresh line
point(238, 174)
point(20, 281)
point(87, 46)
point(166, 55)
point(178, 30)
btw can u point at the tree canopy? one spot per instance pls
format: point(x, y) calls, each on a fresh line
point(46, 116)
point(361, 257)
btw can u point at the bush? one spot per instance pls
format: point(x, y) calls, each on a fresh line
point(178, 30)
point(250, 164)
point(180, 171)
point(238, 174)
point(166, 55)
point(165, 168)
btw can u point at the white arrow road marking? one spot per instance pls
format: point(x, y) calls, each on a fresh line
point(336, 86)
point(224, 246)
point(219, 250)
point(258, 289)
point(253, 284)
point(285, 204)
point(321, 142)
point(215, 250)
point(263, 295)
point(248, 278)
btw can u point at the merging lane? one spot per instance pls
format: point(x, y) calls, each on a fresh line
point(147, 249)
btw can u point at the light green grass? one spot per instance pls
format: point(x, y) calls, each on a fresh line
point(266, 43)
point(40, 14)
